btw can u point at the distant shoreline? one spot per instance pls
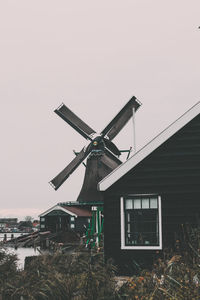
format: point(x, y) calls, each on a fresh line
point(13, 232)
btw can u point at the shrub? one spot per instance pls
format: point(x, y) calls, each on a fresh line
point(63, 276)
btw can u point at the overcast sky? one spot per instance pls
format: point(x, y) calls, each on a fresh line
point(93, 56)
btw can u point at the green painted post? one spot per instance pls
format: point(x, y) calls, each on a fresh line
point(98, 226)
point(95, 227)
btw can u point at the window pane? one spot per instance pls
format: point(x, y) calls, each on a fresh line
point(153, 203)
point(137, 204)
point(129, 204)
point(145, 203)
point(142, 221)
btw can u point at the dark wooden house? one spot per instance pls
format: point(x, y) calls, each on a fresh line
point(149, 198)
point(65, 217)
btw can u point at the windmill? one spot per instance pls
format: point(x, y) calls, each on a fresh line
point(103, 154)
point(102, 158)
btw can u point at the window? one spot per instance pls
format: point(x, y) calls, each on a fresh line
point(72, 222)
point(141, 222)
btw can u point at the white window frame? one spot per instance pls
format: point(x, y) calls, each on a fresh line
point(122, 212)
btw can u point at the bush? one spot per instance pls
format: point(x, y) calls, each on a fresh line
point(85, 276)
point(63, 276)
point(174, 276)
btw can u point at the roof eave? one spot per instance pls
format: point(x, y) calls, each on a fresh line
point(120, 171)
point(59, 208)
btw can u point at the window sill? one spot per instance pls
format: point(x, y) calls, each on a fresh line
point(141, 247)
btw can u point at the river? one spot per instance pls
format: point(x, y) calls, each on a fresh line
point(8, 235)
point(20, 252)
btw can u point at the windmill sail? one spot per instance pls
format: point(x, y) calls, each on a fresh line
point(65, 173)
point(120, 120)
point(67, 115)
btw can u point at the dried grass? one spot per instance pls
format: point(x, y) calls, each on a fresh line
point(175, 275)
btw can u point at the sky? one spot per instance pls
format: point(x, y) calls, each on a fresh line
point(93, 56)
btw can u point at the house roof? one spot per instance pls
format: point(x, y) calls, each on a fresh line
point(149, 148)
point(80, 212)
point(71, 210)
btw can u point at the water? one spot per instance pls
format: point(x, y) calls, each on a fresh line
point(20, 252)
point(8, 234)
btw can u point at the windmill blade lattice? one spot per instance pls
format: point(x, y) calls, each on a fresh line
point(67, 115)
point(64, 174)
point(120, 120)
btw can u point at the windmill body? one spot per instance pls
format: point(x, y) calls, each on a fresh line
point(98, 166)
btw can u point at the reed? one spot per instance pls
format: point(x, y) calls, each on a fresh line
point(174, 275)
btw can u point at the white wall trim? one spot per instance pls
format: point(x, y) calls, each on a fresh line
point(149, 148)
point(122, 222)
point(122, 216)
point(160, 221)
point(57, 207)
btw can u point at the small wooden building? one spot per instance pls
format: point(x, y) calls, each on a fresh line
point(148, 198)
point(65, 217)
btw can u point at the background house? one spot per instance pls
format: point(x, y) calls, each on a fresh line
point(65, 217)
point(149, 198)
point(8, 223)
point(25, 226)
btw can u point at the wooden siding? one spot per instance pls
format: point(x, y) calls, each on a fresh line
point(81, 224)
point(171, 171)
